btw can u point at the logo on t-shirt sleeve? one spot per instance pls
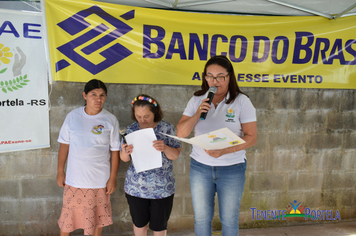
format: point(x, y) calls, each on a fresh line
point(98, 129)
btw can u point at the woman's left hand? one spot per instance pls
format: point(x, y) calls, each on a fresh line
point(111, 186)
point(215, 153)
point(159, 145)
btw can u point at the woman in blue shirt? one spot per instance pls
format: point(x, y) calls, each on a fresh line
point(150, 193)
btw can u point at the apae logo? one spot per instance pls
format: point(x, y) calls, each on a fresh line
point(78, 25)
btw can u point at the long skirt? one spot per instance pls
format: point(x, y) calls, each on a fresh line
point(85, 208)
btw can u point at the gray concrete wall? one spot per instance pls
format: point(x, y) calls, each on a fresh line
point(305, 151)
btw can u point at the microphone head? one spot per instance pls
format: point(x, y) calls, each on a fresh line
point(212, 89)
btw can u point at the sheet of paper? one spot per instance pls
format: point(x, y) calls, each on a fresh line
point(144, 155)
point(218, 139)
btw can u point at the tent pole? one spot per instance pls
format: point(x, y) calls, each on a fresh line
point(345, 11)
point(301, 9)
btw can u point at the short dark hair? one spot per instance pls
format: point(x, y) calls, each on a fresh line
point(154, 108)
point(222, 61)
point(94, 84)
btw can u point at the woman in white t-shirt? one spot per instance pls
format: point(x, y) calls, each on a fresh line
point(89, 142)
point(218, 171)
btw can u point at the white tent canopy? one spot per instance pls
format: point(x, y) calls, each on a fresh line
point(331, 9)
point(328, 8)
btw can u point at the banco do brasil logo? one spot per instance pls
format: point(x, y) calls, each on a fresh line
point(103, 32)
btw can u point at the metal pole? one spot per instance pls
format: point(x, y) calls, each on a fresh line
point(302, 9)
point(345, 11)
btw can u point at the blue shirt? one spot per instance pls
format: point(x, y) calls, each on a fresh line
point(156, 183)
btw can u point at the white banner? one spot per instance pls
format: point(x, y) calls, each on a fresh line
point(24, 111)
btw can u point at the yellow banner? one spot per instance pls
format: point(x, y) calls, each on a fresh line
point(124, 44)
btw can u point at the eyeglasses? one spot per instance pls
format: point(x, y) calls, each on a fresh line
point(219, 78)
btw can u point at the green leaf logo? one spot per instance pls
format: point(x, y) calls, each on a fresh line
point(13, 84)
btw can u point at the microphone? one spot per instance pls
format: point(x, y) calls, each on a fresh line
point(212, 91)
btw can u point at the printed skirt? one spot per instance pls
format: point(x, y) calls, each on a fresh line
point(85, 208)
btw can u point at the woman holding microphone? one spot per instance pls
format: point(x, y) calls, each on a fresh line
point(218, 171)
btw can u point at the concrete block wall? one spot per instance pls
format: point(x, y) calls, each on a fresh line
point(305, 151)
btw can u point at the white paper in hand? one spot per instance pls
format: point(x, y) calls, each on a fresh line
point(144, 155)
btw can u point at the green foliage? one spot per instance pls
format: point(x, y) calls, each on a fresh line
point(13, 84)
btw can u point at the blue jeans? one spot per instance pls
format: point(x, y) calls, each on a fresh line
point(228, 182)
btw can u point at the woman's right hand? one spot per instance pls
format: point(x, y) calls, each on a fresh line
point(204, 107)
point(61, 179)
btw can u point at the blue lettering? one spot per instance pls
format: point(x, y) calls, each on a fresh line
point(322, 52)
point(232, 49)
point(279, 214)
point(337, 215)
point(349, 49)
point(275, 49)
point(27, 30)
point(307, 213)
point(196, 76)
point(194, 42)
point(214, 42)
point(285, 79)
point(337, 48)
point(284, 214)
point(313, 215)
point(318, 79)
point(276, 78)
point(256, 48)
point(328, 215)
point(148, 40)
point(249, 78)
point(257, 78)
point(303, 47)
point(263, 215)
point(176, 38)
point(258, 215)
point(240, 77)
point(268, 215)
point(319, 215)
point(293, 79)
point(265, 78)
point(253, 212)
point(301, 78)
point(11, 31)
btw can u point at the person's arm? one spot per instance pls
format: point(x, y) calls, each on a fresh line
point(186, 124)
point(62, 158)
point(115, 162)
point(250, 137)
point(171, 153)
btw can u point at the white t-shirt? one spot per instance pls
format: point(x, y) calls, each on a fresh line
point(224, 115)
point(90, 139)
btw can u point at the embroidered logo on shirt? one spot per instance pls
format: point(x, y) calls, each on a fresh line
point(230, 114)
point(97, 129)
